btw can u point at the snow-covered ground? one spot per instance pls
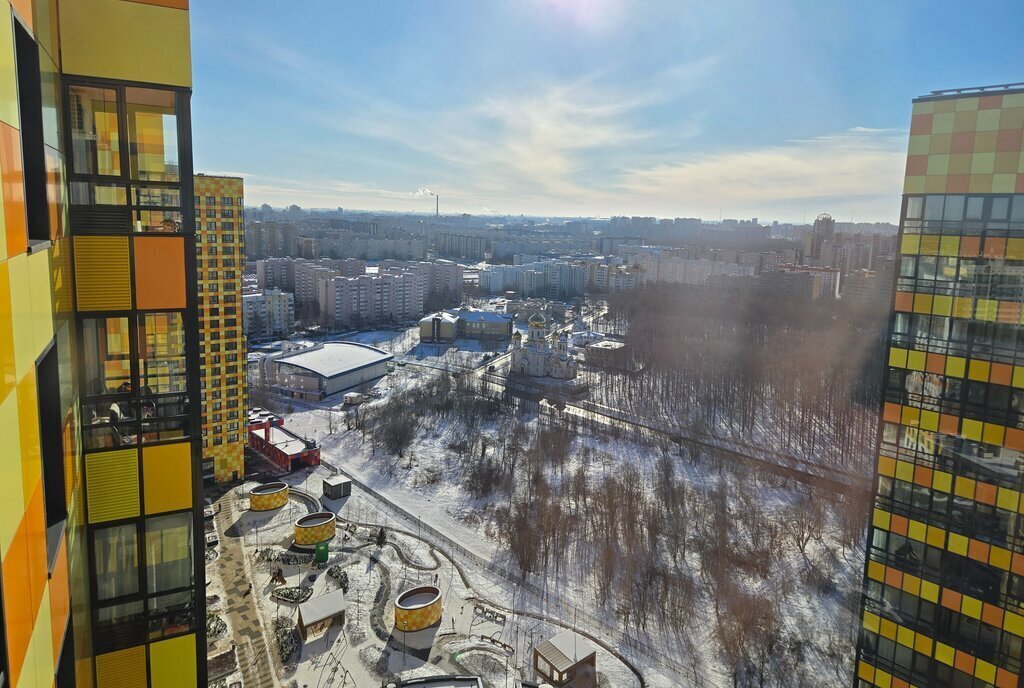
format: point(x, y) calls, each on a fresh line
point(812, 589)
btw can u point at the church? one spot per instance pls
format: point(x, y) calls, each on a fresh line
point(541, 355)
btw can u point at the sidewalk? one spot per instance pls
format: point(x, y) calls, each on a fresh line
point(256, 658)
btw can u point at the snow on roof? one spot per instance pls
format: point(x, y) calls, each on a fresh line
point(323, 607)
point(483, 316)
point(290, 444)
point(607, 344)
point(336, 358)
point(566, 650)
point(336, 480)
point(443, 315)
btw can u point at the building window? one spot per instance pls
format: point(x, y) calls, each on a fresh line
point(171, 614)
point(30, 108)
point(51, 442)
point(115, 561)
point(117, 187)
point(168, 552)
point(95, 140)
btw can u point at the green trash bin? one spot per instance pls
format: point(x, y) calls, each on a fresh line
point(320, 553)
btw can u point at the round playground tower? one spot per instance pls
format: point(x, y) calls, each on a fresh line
point(313, 529)
point(268, 496)
point(418, 608)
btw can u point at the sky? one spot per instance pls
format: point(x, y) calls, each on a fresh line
point(776, 109)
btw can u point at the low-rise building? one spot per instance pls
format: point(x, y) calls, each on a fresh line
point(268, 436)
point(567, 661)
point(325, 369)
point(468, 323)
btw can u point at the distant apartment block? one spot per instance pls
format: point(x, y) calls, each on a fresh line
point(269, 314)
point(802, 282)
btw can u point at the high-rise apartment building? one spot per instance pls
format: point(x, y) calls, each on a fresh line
point(100, 532)
point(220, 238)
point(943, 601)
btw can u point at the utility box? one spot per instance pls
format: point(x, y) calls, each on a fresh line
point(320, 553)
point(337, 487)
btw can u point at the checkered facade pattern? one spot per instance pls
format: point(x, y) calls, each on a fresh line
point(221, 237)
point(98, 577)
point(943, 601)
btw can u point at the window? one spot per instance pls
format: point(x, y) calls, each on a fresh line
point(52, 449)
point(115, 561)
point(108, 381)
point(133, 187)
point(95, 143)
point(117, 626)
point(161, 353)
point(171, 614)
point(152, 134)
point(168, 552)
point(30, 108)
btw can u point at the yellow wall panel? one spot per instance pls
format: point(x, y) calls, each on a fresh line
point(102, 273)
point(42, 300)
point(105, 38)
point(173, 662)
point(25, 351)
point(40, 650)
point(8, 74)
point(167, 477)
point(112, 485)
point(12, 499)
point(28, 424)
point(8, 367)
point(122, 669)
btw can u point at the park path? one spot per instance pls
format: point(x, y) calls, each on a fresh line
point(255, 658)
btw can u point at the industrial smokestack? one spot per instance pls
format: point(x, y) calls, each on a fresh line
point(437, 206)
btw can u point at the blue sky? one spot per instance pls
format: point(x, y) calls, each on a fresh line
point(774, 109)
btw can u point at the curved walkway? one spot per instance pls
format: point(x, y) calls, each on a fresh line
point(305, 496)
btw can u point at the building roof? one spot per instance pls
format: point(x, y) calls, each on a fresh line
point(323, 607)
point(481, 316)
point(566, 650)
point(288, 442)
point(537, 318)
point(610, 344)
point(443, 315)
point(336, 480)
point(332, 359)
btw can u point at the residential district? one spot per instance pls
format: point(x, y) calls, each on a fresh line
point(256, 446)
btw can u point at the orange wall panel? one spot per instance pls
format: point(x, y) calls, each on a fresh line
point(60, 602)
point(24, 10)
point(13, 179)
point(159, 272)
point(18, 611)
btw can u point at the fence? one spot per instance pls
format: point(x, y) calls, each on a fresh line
point(566, 614)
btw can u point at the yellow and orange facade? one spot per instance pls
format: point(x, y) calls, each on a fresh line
point(220, 234)
point(100, 532)
point(943, 601)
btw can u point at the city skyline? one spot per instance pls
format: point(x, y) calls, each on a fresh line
point(595, 111)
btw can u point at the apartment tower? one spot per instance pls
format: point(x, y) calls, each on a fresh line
point(101, 566)
point(220, 239)
point(944, 577)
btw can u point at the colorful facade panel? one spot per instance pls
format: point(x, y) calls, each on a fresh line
point(944, 578)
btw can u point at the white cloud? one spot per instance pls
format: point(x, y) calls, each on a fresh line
point(860, 169)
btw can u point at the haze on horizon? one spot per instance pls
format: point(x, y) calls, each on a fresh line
point(582, 107)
